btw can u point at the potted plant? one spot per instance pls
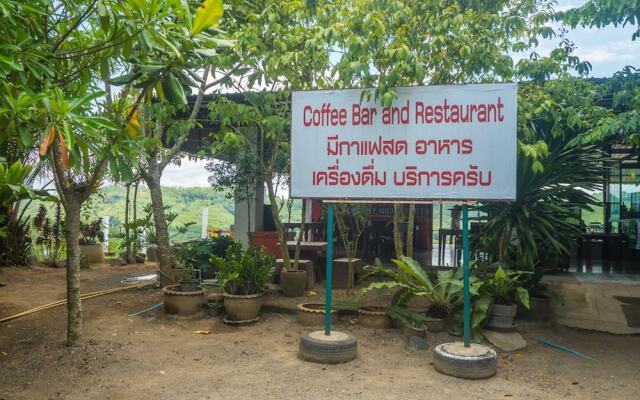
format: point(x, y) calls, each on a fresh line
point(410, 278)
point(293, 281)
point(91, 237)
point(184, 298)
point(540, 296)
point(507, 290)
point(351, 220)
point(411, 322)
point(242, 276)
point(187, 280)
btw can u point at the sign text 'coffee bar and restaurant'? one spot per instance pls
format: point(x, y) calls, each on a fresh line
point(437, 142)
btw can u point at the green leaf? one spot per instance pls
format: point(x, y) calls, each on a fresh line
point(11, 63)
point(207, 52)
point(523, 296)
point(25, 136)
point(207, 15)
point(125, 79)
point(500, 274)
point(537, 166)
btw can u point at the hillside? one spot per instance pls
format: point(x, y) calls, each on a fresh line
point(186, 202)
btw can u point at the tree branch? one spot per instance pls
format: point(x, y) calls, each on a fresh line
point(228, 74)
point(74, 26)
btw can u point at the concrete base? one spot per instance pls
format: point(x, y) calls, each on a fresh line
point(338, 347)
point(597, 302)
point(473, 362)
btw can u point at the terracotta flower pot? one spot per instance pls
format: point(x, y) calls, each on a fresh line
point(293, 282)
point(313, 314)
point(242, 308)
point(374, 317)
point(177, 302)
point(189, 285)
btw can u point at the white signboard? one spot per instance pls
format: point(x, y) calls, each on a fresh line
point(436, 142)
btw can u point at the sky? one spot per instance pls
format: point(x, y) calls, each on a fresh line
point(608, 50)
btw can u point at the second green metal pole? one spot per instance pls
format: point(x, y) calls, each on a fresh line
point(329, 273)
point(465, 268)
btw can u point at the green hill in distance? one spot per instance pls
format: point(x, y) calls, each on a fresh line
point(186, 202)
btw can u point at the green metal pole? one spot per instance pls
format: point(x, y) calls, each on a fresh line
point(465, 268)
point(329, 274)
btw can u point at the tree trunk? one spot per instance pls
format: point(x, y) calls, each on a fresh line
point(72, 235)
point(296, 256)
point(136, 240)
point(249, 217)
point(410, 226)
point(397, 237)
point(152, 178)
point(127, 227)
point(282, 237)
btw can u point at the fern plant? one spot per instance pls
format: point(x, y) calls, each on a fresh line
point(506, 287)
point(445, 295)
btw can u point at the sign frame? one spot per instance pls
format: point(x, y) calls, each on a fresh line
point(330, 201)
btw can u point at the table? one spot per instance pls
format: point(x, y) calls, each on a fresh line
point(612, 247)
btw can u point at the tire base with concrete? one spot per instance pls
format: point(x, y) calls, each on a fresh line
point(339, 347)
point(474, 362)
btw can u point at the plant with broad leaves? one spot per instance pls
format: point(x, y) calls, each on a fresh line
point(445, 295)
point(245, 272)
point(506, 287)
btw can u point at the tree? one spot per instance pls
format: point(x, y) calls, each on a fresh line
point(15, 241)
point(58, 59)
point(54, 58)
point(170, 60)
point(600, 13)
point(285, 46)
point(258, 129)
point(351, 220)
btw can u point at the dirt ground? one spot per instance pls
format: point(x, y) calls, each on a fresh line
point(154, 356)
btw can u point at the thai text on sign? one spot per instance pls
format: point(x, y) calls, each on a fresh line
point(438, 142)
